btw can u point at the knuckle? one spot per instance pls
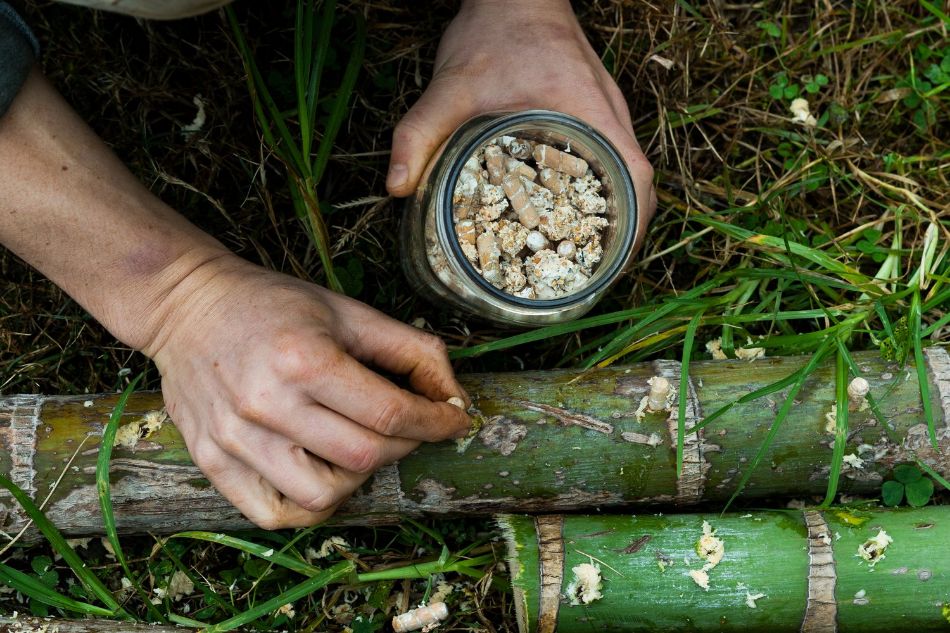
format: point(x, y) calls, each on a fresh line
point(227, 438)
point(324, 500)
point(290, 360)
point(247, 407)
point(298, 362)
point(271, 521)
point(363, 458)
point(391, 418)
point(208, 458)
point(435, 345)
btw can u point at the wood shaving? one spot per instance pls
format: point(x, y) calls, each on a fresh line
point(751, 598)
point(586, 586)
point(710, 547)
point(872, 550)
point(129, 435)
point(854, 461)
point(714, 347)
point(700, 577)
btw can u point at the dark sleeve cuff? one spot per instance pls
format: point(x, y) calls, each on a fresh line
point(18, 50)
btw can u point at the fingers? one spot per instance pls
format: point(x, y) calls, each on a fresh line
point(314, 486)
point(440, 109)
point(256, 498)
point(346, 386)
point(336, 439)
point(404, 350)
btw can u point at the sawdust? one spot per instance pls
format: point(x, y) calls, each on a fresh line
point(129, 435)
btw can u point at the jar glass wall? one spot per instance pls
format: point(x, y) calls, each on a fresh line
point(433, 259)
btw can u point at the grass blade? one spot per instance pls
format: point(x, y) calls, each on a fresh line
point(783, 412)
point(655, 314)
point(422, 570)
point(684, 390)
point(933, 473)
point(936, 11)
point(303, 32)
point(304, 589)
point(341, 101)
point(265, 553)
point(922, 378)
point(265, 102)
point(308, 209)
point(316, 70)
point(30, 586)
point(813, 255)
point(841, 425)
point(105, 494)
point(89, 580)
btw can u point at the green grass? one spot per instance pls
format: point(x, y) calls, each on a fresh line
point(306, 168)
point(803, 241)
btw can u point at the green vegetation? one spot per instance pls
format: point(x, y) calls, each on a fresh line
point(813, 240)
point(910, 481)
point(306, 166)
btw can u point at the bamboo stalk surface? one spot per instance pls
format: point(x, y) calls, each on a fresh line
point(551, 441)
point(781, 571)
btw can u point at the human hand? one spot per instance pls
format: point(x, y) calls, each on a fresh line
point(263, 375)
point(499, 55)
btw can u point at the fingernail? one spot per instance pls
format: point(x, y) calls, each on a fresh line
point(455, 401)
point(398, 175)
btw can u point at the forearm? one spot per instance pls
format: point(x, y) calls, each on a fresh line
point(72, 210)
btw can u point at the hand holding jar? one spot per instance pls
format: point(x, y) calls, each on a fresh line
point(522, 73)
point(499, 55)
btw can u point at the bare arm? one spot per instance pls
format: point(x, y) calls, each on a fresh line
point(266, 376)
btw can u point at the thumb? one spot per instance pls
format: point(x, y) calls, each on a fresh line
point(641, 171)
point(440, 109)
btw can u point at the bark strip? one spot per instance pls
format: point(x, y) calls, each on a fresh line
point(551, 570)
point(939, 361)
point(21, 415)
point(568, 418)
point(692, 481)
point(821, 610)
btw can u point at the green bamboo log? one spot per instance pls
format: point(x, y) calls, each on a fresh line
point(551, 441)
point(780, 571)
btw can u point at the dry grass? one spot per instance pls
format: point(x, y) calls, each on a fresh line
point(698, 78)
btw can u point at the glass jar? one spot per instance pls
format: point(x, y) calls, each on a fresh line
point(432, 257)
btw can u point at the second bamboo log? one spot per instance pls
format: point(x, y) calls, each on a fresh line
point(812, 571)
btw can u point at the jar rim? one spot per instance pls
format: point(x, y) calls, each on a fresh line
point(506, 121)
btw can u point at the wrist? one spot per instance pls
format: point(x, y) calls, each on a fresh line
point(520, 10)
point(179, 293)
